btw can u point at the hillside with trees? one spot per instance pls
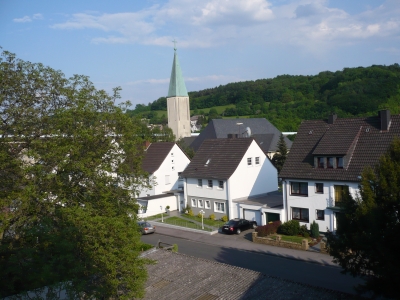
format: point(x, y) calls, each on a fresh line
point(286, 100)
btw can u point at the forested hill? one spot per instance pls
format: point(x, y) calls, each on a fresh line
point(286, 100)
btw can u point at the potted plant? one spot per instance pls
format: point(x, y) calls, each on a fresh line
point(167, 209)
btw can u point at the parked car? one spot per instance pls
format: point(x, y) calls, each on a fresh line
point(238, 225)
point(146, 227)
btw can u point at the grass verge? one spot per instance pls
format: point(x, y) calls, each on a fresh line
point(183, 223)
point(206, 221)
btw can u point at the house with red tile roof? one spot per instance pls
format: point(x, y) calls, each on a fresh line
point(327, 158)
point(232, 177)
point(163, 162)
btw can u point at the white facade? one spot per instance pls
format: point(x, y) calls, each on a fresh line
point(254, 175)
point(319, 200)
point(179, 116)
point(166, 178)
point(156, 206)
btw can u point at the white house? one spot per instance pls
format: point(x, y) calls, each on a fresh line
point(232, 177)
point(327, 158)
point(163, 161)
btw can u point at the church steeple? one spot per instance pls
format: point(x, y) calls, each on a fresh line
point(177, 87)
point(178, 102)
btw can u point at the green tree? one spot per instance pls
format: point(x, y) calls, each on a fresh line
point(69, 165)
point(279, 157)
point(366, 242)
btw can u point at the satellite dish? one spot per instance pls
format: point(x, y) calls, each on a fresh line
point(248, 132)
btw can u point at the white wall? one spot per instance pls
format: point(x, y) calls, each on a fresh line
point(215, 192)
point(255, 179)
point(154, 205)
point(316, 201)
point(176, 161)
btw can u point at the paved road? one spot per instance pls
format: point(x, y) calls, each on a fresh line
point(300, 266)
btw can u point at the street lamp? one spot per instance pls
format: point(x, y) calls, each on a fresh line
point(239, 123)
point(162, 217)
point(202, 212)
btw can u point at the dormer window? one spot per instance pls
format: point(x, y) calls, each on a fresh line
point(329, 162)
point(339, 162)
point(321, 162)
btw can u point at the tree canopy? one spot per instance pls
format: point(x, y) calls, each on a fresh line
point(286, 100)
point(279, 157)
point(69, 165)
point(367, 242)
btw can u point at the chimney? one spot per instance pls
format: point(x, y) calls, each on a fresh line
point(332, 118)
point(385, 119)
point(147, 145)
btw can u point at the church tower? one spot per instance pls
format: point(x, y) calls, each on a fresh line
point(178, 102)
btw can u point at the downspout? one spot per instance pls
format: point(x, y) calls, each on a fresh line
point(229, 199)
point(285, 201)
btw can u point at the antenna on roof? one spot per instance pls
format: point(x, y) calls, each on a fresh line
point(247, 132)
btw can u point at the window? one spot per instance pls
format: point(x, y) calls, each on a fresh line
point(173, 168)
point(257, 160)
point(199, 182)
point(172, 153)
point(180, 175)
point(299, 188)
point(249, 161)
point(319, 188)
point(167, 179)
point(339, 162)
point(207, 204)
point(329, 162)
point(320, 162)
point(193, 202)
point(221, 184)
point(172, 161)
point(210, 183)
point(219, 207)
point(340, 191)
point(200, 203)
point(300, 214)
point(320, 214)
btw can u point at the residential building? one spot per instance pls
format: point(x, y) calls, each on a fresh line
point(327, 159)
point(266, 134)
point(178, 102)
point(231, 177)
point(164, 162)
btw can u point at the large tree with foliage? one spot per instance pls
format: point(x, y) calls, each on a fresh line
point(279, 157)
point(367, 242)
point(69, 165)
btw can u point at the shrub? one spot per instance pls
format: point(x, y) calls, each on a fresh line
point(270, 228)
point(303, 230)
point(190, 213)
point(291, 227)
point(199, 215)
point(167, 207)
point(188, 208)
point(175, 248)
point(306, 235)
point(224, 218)
point(314, 228)
point(212, 217)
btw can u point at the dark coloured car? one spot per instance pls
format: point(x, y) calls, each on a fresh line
point(146, 227)
point(238, 225)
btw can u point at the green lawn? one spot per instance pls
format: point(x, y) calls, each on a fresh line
point(183, 223)
point(289, 238)
point(155, 217)
point(206, 221)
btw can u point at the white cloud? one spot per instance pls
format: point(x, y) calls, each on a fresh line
point(37, 16)
point(310, 24)
point(23, 19)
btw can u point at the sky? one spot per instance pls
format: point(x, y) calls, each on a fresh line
point(128, 43)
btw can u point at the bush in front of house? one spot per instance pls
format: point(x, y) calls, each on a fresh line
point(212, 217)
point(224, 219)
point(291, 227)
point(303, 230)
point(314, 228)
point(270, 228)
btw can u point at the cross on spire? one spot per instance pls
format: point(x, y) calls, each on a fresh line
point(174, 41)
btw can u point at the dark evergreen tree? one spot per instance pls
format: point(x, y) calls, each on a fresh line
point(366, 242)
point(280, 156)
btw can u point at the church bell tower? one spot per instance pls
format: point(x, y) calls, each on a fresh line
point(178, 102)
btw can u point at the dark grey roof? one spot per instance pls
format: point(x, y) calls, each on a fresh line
point(223, 156)
point(155, 155)
point(180, 277)
point(159, 196)
point(360, 140)
point(269, 200)
point(187, 141)
point(220, 128)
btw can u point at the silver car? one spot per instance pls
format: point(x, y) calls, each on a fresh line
point(146, 227)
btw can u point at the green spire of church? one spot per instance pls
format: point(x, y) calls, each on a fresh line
point(177, 86)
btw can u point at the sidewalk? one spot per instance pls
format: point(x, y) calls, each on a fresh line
point(242, 242)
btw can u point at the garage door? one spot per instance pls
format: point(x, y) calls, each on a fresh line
point(253, 215)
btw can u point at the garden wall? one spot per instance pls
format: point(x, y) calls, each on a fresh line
point(279, 242)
